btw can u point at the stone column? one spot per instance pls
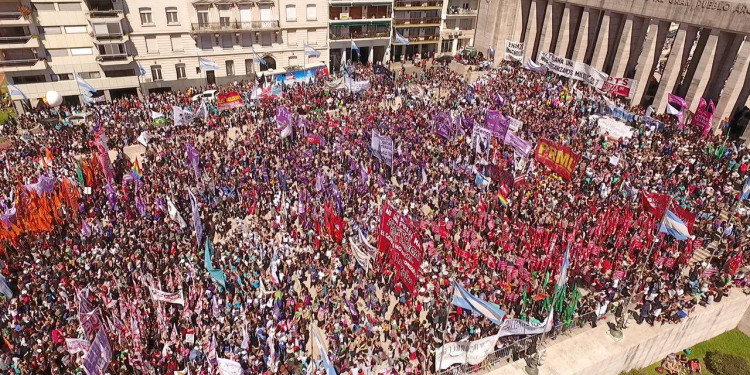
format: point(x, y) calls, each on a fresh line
point(582, 40)
point(672, 70)
point(602, 42)
point(545, 39)
point(563, 37)
point(652, 46)
point(733, 88)
point(702, 74)
point(726, 51)
point(622, 54)
point(530, 38)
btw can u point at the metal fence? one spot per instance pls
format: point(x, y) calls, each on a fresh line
point(503, 354)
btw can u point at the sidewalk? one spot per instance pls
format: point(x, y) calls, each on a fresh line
point(595, 352)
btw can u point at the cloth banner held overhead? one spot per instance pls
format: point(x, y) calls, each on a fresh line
point(471, 352)
point(181, 116)
point(481, 139)
point(511, 327)
point(513, 51)
point(97, 359)
point(559, 158)
point(519, 144)
point(399, 238)
point(443, 124)
point(534, 67)
point(77, 345)
point(363, 259)
point(229, 367)
point(382, 147)
point(496, 123)
point(704, 115)
point(229, 100)
point(158, 295)
point(283, 117)
point(618, 86)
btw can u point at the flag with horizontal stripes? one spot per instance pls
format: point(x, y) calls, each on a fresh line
point(400, 39)
point(258, 59)
point(207, 64)
point(519, 180)
point(13, 90)
point(466, 300)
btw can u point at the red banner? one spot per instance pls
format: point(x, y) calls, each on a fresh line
point(229, 100)
point(618, 86)
point(655, 203)
point(559, 158)
point(399, 237)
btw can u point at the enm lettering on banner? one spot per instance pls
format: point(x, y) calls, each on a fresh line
point(559, 158)
point(513, 51)
point(229, 100)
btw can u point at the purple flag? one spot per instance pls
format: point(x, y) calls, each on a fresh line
point(7, 216)
point(194, 159)
point(99, 356)
point(111, 197)
point(518, 143)
point(197, 225)
point(443, 124)
point(45, 185)
point(140, 206)
point(497, 123)
point(283, 118)
point(85, 229)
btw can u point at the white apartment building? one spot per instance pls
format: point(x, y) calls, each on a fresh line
point(366, 23)
point(459, 22)
point(45, 44)
point(170, 39)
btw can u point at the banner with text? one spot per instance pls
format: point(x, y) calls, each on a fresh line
point(471, 352)
point(229, 101)
point(399, 237)
point(514, 51)
point(559, 158)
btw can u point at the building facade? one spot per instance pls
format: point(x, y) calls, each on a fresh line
point(458, 25)
point(367, 24)
point(45, 45)
point(692, 48)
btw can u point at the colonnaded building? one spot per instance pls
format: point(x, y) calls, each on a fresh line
point(692, 48)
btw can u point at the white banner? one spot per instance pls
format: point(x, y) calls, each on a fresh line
point(471, 352)
point(514, 124)
point(589, 75)
point(363, 259)
point(557, 64)
point(77, 345)
point(519, 327)
point(513, 51)
point(159, 295)
point(481, 139)
point(229, 367)
point(356, 86)
point(181, 116)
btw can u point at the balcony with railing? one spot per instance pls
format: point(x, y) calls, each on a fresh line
point(420, 39)
point(22, 63)
point(422, 4)
point(21, 41)
point(416, 22)
point(218, 27)
point(104, 9)
point(360, 34)
point(12, 18)
point(114, 58)
point(461, 12)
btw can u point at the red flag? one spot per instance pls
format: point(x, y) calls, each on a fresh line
point(656, 204)
point(334, 224)
point(685, 215)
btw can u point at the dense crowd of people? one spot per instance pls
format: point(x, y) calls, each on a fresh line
point(79, 238)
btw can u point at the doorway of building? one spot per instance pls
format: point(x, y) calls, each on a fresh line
point(210, 77)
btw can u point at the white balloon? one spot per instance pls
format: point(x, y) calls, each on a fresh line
point(54, 99)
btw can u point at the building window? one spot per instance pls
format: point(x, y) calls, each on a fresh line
point(447, 45)
point(50, 30)
point(90, 75)
point(312, 12)
point(81, 51)
point(62, 77)
point(176, 43)
point(291, 13)
point(44, 7)
point(146, 19)
point(75, 29)
point(180, 68)
point(230, 67)
point(292, 61)
point(69, 7)
point(224, 21)
point(57, 52)
point(203, 18)
point(156, 72)
point(151, 45)
point(249, 66)
point(172, 16)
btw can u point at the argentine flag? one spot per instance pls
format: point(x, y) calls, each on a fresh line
point(400, 39)
point(674, 226)
point(465, 300)
point(13, 90)
point(745, 187)
point(83, 85)
point(141, 70)
point(354, 47)
point(258, 58)
point(327, 365)
point(206, 64)
point(564, 269)
point(311, 52)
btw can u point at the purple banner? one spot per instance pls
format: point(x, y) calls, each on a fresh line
point(443, 124)
point(496, 123)
point(283, 117)
point(97, 359)
point(518, 143)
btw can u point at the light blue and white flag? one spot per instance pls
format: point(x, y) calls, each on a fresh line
point(400, 39)
point(5, 288)
point(563, 279)
point(13, 90)
point(83, 85)
point(207, 64)
point(258, 59)
point(326, 361)
point(354, 47)
point(674, 226)
point(745, 188)
point(216, 274)
point(141, 70)
point(197, 224)
point(465, 300)
point(311, 52)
